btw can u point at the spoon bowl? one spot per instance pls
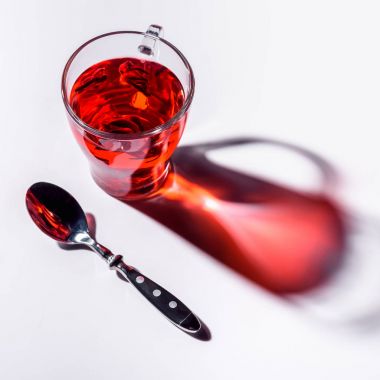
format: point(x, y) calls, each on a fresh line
point(55, 211)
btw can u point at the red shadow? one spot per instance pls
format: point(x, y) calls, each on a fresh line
point(284, 240)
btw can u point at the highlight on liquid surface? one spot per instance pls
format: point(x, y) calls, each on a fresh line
point(126, 95)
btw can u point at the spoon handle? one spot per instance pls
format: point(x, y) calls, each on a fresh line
point(173, 309)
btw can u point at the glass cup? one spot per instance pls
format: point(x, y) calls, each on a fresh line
point(129, 166)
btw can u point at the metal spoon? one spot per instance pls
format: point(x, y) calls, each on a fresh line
point(60, 216)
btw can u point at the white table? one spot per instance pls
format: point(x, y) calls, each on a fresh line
point(296, 71)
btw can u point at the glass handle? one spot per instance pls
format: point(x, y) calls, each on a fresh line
point(148, 43)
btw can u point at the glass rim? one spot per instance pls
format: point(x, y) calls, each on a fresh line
point(126, 136)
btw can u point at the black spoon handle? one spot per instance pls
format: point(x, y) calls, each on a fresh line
point(173, 309)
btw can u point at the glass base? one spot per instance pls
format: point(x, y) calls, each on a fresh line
point(134, 193)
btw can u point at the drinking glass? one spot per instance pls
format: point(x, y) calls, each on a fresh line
point(129, 166)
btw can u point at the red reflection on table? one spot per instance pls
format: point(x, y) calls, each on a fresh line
point(281, 239)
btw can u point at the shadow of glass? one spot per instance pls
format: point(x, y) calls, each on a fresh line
point(283, 239)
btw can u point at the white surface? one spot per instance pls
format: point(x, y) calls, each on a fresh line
point(305, 72)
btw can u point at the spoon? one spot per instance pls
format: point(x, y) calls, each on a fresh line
point(60, 216)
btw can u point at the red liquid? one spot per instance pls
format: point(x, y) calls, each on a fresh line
point(128, 96)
